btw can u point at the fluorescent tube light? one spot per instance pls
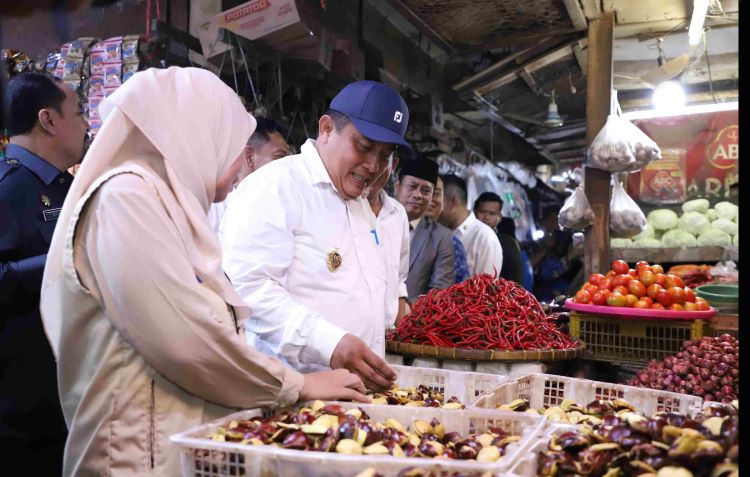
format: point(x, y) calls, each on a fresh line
point(686, 110)
point(700, 7)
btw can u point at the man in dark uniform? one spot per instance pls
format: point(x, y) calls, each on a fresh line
point(47, 132)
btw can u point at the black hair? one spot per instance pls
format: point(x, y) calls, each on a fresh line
point(263, 130)
point(488, 197)
point(454, 186)
point(340, 120)
point(507, 226)
point(26, 95)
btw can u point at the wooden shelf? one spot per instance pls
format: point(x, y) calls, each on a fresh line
point(708, 255)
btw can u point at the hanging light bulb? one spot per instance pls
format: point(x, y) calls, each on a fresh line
point(668, 95)
point(553, 119)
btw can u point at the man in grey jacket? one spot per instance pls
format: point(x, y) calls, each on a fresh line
point(431, 258)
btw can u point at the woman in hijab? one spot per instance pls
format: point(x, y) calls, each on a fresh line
point(142, 320)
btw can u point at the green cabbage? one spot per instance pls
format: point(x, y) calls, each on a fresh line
point(714, 237)
point(620, 243)
point(736, 239)
point(726, 226)
point(711, 215)
point(726, 210)
point(694, 222)
point(647, 242)
point(662, 219)
point(647, 232)
point(678, 238)
point(697, 205)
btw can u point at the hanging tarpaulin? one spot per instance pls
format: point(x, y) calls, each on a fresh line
point(700, 158)
point(252, 20)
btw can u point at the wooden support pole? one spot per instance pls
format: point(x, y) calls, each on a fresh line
point(598, 104)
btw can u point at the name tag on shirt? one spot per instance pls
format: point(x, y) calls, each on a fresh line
point(51, 214)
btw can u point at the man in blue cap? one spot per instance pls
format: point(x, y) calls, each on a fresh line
point(300, 241)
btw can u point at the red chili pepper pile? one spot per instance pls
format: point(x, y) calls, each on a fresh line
point(482, 312)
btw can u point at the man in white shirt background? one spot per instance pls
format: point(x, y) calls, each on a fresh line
point(298, 247)
point(431, 256)
point(393, 235)
point(483, 250)
point(265, 145)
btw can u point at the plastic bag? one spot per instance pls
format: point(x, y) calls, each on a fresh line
point(626, 219)
point(725, 272)
point(620, 146)
point(576, 212)
point(643, 147)
point(610, 149)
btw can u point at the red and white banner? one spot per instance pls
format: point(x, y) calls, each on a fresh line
point(700, 155)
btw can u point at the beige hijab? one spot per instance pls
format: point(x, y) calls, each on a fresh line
point(198, 126)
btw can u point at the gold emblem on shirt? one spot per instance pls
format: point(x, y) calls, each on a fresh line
point(45, 200)
point(333, 260)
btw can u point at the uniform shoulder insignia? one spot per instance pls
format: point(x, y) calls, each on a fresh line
point(7, 165)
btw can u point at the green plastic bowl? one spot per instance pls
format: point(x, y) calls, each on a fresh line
point(721, 297)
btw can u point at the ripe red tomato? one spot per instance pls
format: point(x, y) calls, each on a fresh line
point(648, 300)
point(657, 306)
point(610, 274)
point(689, 295)
point(591, 289)
point(702, 304)
point(620, 267)
point(583, 297)
point(633, 273)
point(641, 264)
point(657, 269)
point(653, 290)
point(641, 304)
point(616, 299)
point(600, 297)
point(690, 306)
point(676, 307)
point(631, 300)
point(637, 288)
point(647, 277)
point(606, 284)
point(677, 294)
point(596, 278)
point(622, 290)
point(621, 280)
point(676, 280)
point(659, 279)
point(664, 297)
point(668, 282)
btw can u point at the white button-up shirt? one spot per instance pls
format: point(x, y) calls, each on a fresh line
point(283, 227)
point(216, 212)
point(483, 250)
point(393, 234)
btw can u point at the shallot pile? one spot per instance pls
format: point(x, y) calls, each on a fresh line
point(706, 367)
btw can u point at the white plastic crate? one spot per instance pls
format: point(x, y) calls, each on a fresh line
point(466, 386)
point(698, 409)
point(546, 390)
point(201, 457)
point(528, 461)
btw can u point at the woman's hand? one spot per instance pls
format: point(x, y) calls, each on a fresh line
point(339, 384)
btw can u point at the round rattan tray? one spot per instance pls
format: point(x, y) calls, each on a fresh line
point(410, 349)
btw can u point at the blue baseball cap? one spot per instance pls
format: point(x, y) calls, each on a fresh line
point(378, 112)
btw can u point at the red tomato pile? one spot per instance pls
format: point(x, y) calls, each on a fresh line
point(646, 286)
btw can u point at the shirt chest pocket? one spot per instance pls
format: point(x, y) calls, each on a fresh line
point(329, 254)
point(47, 227)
